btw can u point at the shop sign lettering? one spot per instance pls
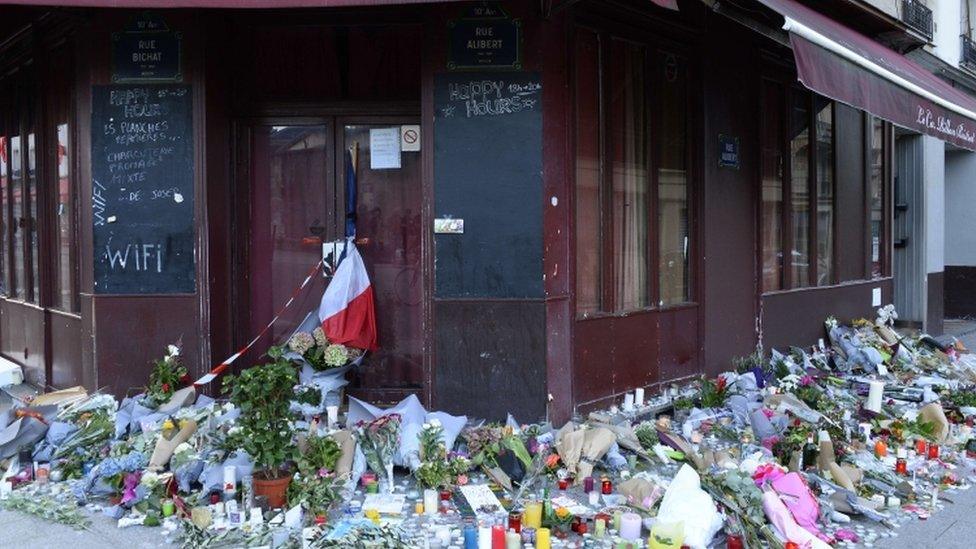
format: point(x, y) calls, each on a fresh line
point(488, 98)
point(944, 125)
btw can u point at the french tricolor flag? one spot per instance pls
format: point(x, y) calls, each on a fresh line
point(347, 312)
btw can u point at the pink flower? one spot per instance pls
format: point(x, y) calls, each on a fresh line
point(462, 479)
point(806, 381)
point(768, 413)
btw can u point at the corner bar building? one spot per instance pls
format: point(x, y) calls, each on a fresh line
point(558, 200)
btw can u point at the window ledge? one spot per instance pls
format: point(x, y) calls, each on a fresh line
point(637, 312)
point(863, 282)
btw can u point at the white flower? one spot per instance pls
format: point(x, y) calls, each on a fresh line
point(183, 448)
point(149, 479)
point(434, 422)
point(172, 351)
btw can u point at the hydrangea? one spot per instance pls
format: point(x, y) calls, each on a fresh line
point(301, 342)
point(320, 339)
point(336, 355)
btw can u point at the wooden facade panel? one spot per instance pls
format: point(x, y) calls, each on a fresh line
point(134, 331)
point(679, 344)
point(66, 369)
point(22, 327)
point(491, 358)
point(797, 318)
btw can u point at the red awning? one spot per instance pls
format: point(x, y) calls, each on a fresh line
point(216, 3)
point(840, 63)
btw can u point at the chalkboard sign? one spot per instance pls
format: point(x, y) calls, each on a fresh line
point(488, 173)
point(142, 189)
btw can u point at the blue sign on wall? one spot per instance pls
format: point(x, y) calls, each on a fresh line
point(147, 51)
point(728, 151)
point(485, 39)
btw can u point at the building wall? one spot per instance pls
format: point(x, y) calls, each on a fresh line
point(960, 234)
point(947, 16)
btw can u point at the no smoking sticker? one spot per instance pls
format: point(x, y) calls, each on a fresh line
point(410, 138)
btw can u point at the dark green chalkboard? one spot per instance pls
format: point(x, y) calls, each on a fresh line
point(142, 189)
point(488, 172)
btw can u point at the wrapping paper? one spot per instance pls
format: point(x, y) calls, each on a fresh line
point(795, 494)
point(685, 502)
point(596, 442)
point(786, 526)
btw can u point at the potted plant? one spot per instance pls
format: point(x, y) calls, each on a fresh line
point(263, 393)
point(317, 487)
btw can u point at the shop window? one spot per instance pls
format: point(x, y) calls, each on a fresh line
point(674, 240)
point(63, 214)
point(628, 138)
point(877, 178)
point(633, 209)
point(800, 188)
point(30, 223)
point(825, 190)
point(588, 173)
point(772, 186)
point(18, 288)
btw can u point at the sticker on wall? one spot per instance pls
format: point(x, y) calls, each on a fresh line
point(448, 225)
point(410, 138)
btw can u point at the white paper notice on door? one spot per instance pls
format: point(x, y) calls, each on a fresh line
point(384, 148)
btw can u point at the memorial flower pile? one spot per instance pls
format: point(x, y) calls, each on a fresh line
point(839, 442)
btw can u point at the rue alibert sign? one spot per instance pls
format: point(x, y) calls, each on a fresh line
point(146, 51)
point(485, 38)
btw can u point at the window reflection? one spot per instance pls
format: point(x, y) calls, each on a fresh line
point(672, 180)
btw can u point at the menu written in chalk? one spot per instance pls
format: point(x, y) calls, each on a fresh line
point(142, 189)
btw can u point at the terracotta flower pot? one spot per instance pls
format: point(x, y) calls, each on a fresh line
point(275, 489)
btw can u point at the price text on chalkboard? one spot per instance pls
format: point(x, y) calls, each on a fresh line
point(142, 189)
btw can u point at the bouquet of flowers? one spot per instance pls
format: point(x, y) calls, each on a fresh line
point(165, 378)
point(379, 440)
point(321, 354)
point(438, 467)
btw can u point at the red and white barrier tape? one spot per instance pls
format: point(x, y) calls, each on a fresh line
point(219, 369)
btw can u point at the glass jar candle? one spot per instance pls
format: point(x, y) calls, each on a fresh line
point(606, 487)
point(515, 521)
point(933, 451)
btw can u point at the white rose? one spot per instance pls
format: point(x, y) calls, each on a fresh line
point(173, 350)
point(434, 422)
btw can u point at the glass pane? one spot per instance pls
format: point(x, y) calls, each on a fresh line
point(4, 165)
point(17, 183)
point(672, 179)
point(876, 194)
point(64, 231)
point(389, 205)
point(825, 190)
point(800, 188)
point(772, 187)
point(589, 251)
point(32, 217)
point(628, 138)
point(291, 214)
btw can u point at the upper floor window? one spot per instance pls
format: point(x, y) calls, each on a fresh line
point(633, 215)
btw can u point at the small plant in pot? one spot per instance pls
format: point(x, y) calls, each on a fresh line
point(262, 393)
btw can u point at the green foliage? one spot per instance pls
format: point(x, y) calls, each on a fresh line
point(320, 453)
point(713, 392)
point(744, 364)
point(959, 399)
point(47, 508)
point(262, 394)
point(646, 434)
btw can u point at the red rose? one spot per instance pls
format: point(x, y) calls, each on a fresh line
point(165, 387)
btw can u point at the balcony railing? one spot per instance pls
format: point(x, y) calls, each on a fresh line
point(918, 16)
point(968, 52)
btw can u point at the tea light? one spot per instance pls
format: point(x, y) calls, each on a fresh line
point(630, 526)
point(639, 397)
point(332, 413)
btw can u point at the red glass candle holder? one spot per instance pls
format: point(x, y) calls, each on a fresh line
point(920, 446)
point(515, 521)
point(563, 483)
point(733, 541)
point(933, 451)
point(606, 487)
point(901, 466)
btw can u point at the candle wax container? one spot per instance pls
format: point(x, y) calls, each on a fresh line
point(498, 537)
point(532, 516)
point(606, 486)
point(933, 451)
point(563, 483)
point(515, 521)
point(588, 484)
point(920, 446)
point(542, 539)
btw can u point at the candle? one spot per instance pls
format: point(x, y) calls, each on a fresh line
point(617, 517)
point(444, 535)
point(169, 508)
point(594, 498)
point(498, 537)
point(332, 412)
point(630, 526)
point(515, 521)
point(601, 528)
point(418, 508)
point(430, 502)
point(367, 477)
point(880, 448)
point(628, 402)
point(639, 397)
point(484, 537)
point(606, 486)
point(532, 517)
point(588, 484)
point(875, 394)
point(470, 538)
point(513, 540)
point(373, 487)
point(933, 450)
point(230, 481)
point(563, 483)
point(542, 539)
point(920, 446)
